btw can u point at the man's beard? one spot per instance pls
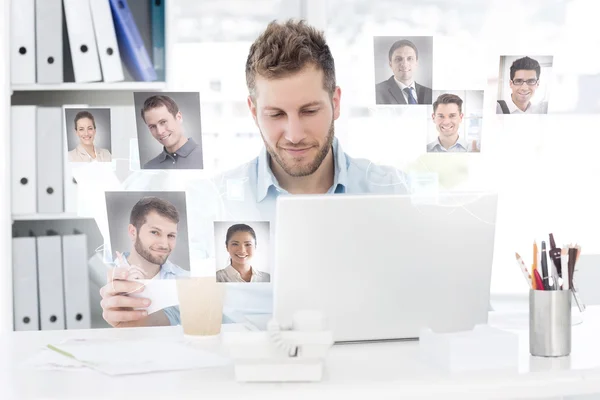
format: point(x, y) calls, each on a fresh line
point(146, 255)
point(298, 171)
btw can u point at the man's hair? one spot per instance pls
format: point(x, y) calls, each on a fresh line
point(159, 101)
point(84, 114)
point(146, 205)
point(239, 228)
point(447, 98)
point(525, 63)
point(402, 43)
point(286, 48)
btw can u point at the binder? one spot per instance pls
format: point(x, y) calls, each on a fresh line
point(82, 41)
point(25, 284)
point(22, 41)
point(131, 46)
point(49, 160)
point(76, 281)
point(106, 38)
point(49, 41)
point(70, 183)
point(23, 160)
point(158, 37)
point(50, 281)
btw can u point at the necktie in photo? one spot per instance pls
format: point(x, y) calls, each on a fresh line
point(411, 99)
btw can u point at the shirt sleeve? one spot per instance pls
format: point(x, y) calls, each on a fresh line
point(173, 315)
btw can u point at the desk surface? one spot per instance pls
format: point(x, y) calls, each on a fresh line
point(372, 370)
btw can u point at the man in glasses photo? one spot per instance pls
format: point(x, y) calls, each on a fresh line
point(524, 81)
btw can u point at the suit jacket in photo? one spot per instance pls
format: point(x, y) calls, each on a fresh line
point(388, 92)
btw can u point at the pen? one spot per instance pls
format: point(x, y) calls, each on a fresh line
point(523, 269)
point(545, 267)
point(564, 259)
point(539, 285)
point(535, 255)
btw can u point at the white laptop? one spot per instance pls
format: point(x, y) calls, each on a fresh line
point(384, 266)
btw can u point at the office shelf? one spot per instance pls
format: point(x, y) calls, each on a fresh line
point(37, 217)
point(71, 86)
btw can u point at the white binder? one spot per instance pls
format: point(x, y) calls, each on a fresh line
point(49, 41)
point(82, 41)
point(70, 184)
point(22, 41)
point(23, 160)
point(76, 281)
point(50, 281)
point(106, 38)
point(25, 284)
point(49, 160)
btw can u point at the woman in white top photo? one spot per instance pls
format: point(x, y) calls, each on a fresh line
point(86, 151)
point(240, 243)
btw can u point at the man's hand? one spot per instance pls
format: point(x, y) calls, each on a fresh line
point(118, 308)
point(474, 148)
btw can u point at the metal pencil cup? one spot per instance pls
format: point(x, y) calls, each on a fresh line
point(550, 323)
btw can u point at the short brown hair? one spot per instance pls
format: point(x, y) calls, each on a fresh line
point(448, 98)
point(159, 101)
point(286, 48)
point(146, 205)
point(82, 115)
point(403, 43)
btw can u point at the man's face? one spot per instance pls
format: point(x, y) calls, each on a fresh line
point(163, 126)
point(86, 131)
point(404, 63)
point(295, 117)
point(524, 92)
point(156, 239)
point(447, 119)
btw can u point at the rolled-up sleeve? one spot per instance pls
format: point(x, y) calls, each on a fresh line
point(173, 315)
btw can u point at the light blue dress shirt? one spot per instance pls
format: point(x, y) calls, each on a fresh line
point(168, 271)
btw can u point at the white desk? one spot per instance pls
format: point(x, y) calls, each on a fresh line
point(366, 371)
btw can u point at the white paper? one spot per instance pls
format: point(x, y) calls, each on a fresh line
point(140, 356)
point(161, 292)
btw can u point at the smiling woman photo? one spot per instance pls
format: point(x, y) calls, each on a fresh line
point(86, 151)
point(240, 243)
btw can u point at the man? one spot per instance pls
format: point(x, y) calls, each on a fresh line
point(165, 122)
point(447, 117)
point(294, 101)
point(524, 81)
point(153, 233)
point(401, 88)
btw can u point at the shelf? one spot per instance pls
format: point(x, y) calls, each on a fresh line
point(34, 217)
point(125, 86)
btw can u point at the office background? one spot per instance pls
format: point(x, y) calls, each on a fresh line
point(261, 252)
point(103, 127)
point(189, 106)
point(381, 49)
point(546, 78)
point(471, 127)
point(206, 46)
point(119, 205)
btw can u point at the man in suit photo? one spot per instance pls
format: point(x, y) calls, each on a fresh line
point(401, 87)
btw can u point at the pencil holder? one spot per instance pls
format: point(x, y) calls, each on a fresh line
point(550, 323)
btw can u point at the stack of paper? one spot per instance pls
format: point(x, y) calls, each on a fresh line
point(118, 357)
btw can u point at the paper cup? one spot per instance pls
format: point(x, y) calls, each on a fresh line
point(200, 306)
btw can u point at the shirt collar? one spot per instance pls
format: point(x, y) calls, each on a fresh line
point(402, 86)
point(438, 145)
point(266, 179)
point(183, 151)
point(84, 152)
point(512, 107)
